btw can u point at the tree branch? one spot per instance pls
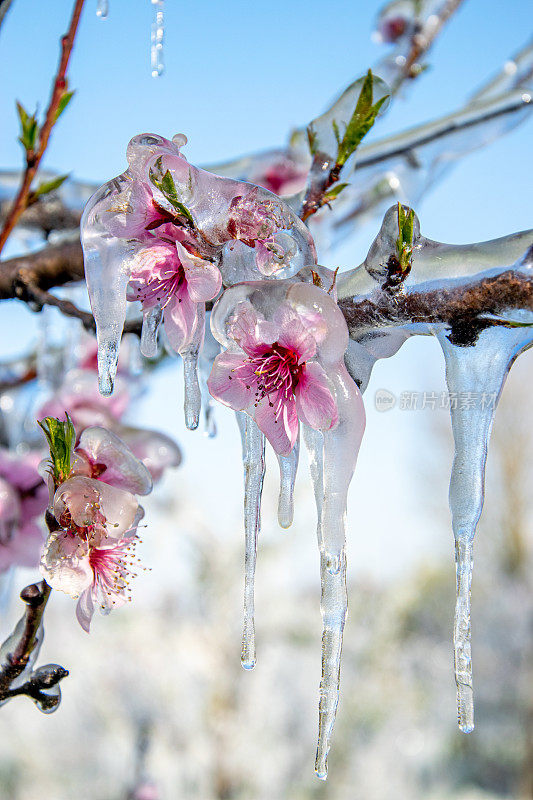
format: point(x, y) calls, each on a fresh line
point(463, 308)
point(29, 277)
point(422, 41)
point(33, 159)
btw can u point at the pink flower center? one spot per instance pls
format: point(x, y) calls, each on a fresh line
point(113, 568)
point(163, 288)
point(276, 374)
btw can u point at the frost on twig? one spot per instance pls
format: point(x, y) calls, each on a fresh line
point(19, 652)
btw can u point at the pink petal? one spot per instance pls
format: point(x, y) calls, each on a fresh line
point(85, 609)
point(179, 318)
point(251, 332)
point(315, 403)
point(114, 460)
point(224, 384)
point(203, 278)
point(293, 333)
point(281, 432)
point(65, 564)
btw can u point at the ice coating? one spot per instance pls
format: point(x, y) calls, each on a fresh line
point(479, 349)
point(253, 443)
point(333, 451)
point(214, 223)
point(475, 376)
point(102, 9)
point(288, 467)
point(157, 37)
point(406, 165)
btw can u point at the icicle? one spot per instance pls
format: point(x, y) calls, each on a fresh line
point(157, 37)
point(254, 472)
point(475, 376)
point(210, 350)
point(288, 467)
point(192, 403)
point(151, 321)
point(102, 9)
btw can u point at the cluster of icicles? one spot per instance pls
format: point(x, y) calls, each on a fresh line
point(157, 34)
point(266, 261)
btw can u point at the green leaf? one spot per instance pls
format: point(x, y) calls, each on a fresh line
point(404, 242)
point(334, 192)
point(167, 186)
point(361, 121)
point(60, 436)
point(66, 97)
point(364, 101)
point(311, 138)
point(28, 128)
point(49, 186)
point(356, 130)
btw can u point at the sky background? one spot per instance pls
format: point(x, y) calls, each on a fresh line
point(238, 77)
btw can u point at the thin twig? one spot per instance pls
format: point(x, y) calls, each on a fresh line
point(423, 40)
point(33, 158)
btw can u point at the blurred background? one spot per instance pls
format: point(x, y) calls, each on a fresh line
point(156, 696)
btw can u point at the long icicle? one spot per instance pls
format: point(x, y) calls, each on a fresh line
point(333, 607)
point(192, 402)
point(288, 467)
point(254, 473)
point(475, 376)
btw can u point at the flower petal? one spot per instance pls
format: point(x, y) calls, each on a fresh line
point(293, 333)
point(179, 318)
point(85, 609)
point(282, 431)
point(203, 278)
point(114, 461)
point(65, 563)
point(224, 384)
point(315, 403)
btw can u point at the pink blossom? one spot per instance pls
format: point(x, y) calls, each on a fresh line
point(87, 507)
point(23, 496)
point(98, 575)
point(102, 454)
point(134, 214)
point(166, 275)
point(276, 381)
point(282, 176)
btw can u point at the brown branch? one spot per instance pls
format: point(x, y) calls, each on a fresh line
point(33, 158)
point(29, 278)
point(36, 597)
point(460, 307)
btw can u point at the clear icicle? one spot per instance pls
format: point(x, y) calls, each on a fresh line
point(192, 403)
point(333, 607)
point(288, 467)
point(151, 321)
point(102, 9)
point(475, 376)
point(254, 472)
point(157, 37)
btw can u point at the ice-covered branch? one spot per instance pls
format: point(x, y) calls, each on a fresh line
point(37, 141)
point(19, 652)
